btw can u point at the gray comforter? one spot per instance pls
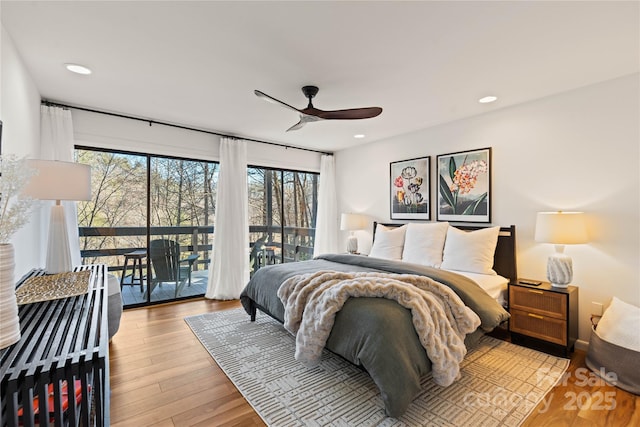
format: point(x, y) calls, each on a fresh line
point(374, 333)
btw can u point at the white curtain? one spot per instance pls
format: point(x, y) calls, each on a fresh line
point(229, 268)
point(57, 143)
point(327, 218)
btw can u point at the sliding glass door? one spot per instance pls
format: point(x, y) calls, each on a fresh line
point(265, 219)
point(300, 205)
point(113, 225)
point(151, 221)
point(182, 202)
point(282, 215)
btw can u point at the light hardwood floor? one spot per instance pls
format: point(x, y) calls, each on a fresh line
point(162, 376)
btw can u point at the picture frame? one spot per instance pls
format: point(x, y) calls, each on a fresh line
point(464, 186)
point(410, 188)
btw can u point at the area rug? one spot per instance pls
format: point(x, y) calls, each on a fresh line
point(501, 382)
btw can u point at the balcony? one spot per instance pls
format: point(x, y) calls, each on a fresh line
point(108, 245)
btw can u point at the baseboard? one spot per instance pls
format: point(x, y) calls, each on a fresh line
point(582, 345)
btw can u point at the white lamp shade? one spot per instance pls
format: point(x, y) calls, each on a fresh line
point(57, 180)
point(561, 228)
point(352, 222)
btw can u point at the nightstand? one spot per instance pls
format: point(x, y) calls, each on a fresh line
point(544, 317)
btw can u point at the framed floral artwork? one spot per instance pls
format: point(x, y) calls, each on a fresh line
point(464, 186)
point(409, 189)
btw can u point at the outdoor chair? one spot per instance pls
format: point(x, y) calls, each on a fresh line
point(167, 265)
point(255, 257)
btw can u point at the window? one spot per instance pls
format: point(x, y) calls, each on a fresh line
point(144, 202)
point(282, 215)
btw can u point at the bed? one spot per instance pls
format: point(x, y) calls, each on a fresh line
point(378, 334)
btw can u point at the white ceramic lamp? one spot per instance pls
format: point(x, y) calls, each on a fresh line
point(560, 228)
point(352, 222)
point(58, 181)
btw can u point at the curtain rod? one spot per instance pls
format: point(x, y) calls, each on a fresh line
point(151, 122)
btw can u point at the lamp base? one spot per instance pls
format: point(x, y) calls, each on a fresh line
point(58, 250)
point(559, 270)
point(352, 244)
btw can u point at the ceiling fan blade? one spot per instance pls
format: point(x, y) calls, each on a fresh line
point(349, 114)
point(266, 97)
point(304, 119)
point(297, 125)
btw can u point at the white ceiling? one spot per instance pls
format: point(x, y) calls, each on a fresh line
point(424, 63)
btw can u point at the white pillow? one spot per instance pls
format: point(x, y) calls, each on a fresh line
point(470, 251)
point(424, 243)
point(620, 324)
point(388, 242)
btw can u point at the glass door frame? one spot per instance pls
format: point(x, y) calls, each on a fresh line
point(148, 156)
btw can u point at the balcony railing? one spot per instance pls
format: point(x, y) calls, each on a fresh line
point(295, 243)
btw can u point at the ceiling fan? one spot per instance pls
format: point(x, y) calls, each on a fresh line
point(312, 114)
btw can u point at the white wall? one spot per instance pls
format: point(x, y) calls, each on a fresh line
point(103, 131)
point(20, 114)
point(577, 150)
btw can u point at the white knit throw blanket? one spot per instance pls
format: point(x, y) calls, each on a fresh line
point(440, 318)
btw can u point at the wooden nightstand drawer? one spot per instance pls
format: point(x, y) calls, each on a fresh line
point(545, 303)
point(542, 327)
point(544, 316)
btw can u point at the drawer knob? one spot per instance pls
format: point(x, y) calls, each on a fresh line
point(535, 316)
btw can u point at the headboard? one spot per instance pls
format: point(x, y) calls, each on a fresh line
point(504, 260)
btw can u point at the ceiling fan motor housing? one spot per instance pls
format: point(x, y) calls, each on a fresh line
point(310, 91)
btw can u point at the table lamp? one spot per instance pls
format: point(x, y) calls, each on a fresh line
point(352, 222)
point(560, 228)
point(56, 180)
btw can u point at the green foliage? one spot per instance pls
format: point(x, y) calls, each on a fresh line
point(446, 192)
point(452, 167)
point(471, 209)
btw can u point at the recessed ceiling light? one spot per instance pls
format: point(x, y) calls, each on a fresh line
point(358, 136)
point(78, 69)
point(487, 99)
